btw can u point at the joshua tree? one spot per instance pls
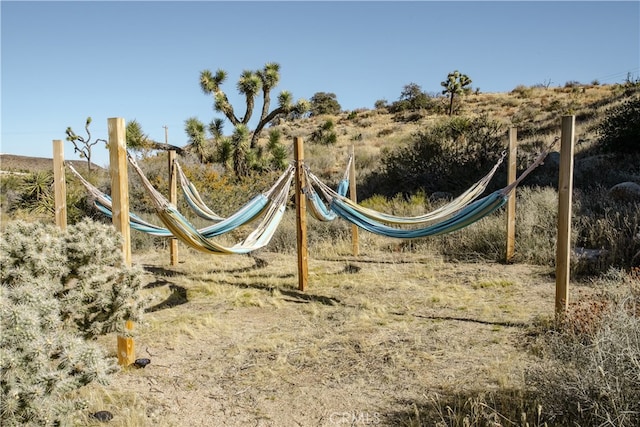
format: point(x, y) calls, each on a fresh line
point(249, 85)
point(82, 145)
point(456, 84)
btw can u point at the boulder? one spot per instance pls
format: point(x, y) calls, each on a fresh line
point(625, 192)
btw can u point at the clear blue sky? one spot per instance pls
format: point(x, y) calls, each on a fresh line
point(64, 61)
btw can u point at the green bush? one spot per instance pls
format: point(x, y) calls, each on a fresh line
point(448, 157)
point(325, 134)
point(620, 128)
point(324, 103)
point(59, 288)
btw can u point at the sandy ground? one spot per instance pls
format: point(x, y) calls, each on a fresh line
point(372, 340)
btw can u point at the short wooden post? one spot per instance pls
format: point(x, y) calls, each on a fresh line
point(511, 204)
point(173, 198)
point(301, 215)
point(60, 184)
point(565, 190)
point(120, 199)
point(352, 194)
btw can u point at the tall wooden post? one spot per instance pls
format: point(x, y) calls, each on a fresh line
point(354, 197)
point(565, 190)
point(60, 184)
point(120, 199)
point(511, 204)
point(301, 216)
point(173, 198)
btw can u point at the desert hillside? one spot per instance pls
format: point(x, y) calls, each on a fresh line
point(15, 163)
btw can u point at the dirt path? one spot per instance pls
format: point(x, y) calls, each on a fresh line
point(232, 344)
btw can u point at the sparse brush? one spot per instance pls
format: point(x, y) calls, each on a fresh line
point(590, 373)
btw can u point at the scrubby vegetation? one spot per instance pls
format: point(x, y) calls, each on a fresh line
point(588, 371)
point(60, 289)
point(411, 157)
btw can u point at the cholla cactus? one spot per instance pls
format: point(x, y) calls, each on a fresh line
point(58, 289)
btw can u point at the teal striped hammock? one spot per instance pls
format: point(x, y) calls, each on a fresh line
point(316, 207)
point(436, 224)
point(183, 230)
point(246, 214)
point(439, 214)
point(193, 198)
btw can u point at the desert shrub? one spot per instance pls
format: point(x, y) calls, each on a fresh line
point(36, 197)
point(319, 234)
point(380, 104)
point(482, 240)
point(59, 288)
point(327, 233)
point(610, 226)
point(448, 157)
point(536, 228)
point(325, 133)
point(588, 373)
point(522, 91)
point(621, 126)
point(572, 84)
point(536, 225)
point(504, 407)
point(31, 196)
point(384, 132)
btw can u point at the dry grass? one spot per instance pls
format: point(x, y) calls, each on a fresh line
point(376, 338)
point(232, 342)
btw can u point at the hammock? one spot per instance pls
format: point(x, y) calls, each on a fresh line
point(182, 229)
point(466, 216)
point(192, 196)
point(249, 212)
point(436, 215)
point(316, 207)
point(104, 204)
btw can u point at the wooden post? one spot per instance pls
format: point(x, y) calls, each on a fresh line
point(173, 198)
point(120, 199)
point(352, 194)
point(60, 184)
point(511, 204)
point(565, 190)
point(301, 215)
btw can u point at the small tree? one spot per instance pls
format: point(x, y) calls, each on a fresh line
point(82, 145)
point(324, 103)
point(620, 128)
point(456, 84)
point(412, 98)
